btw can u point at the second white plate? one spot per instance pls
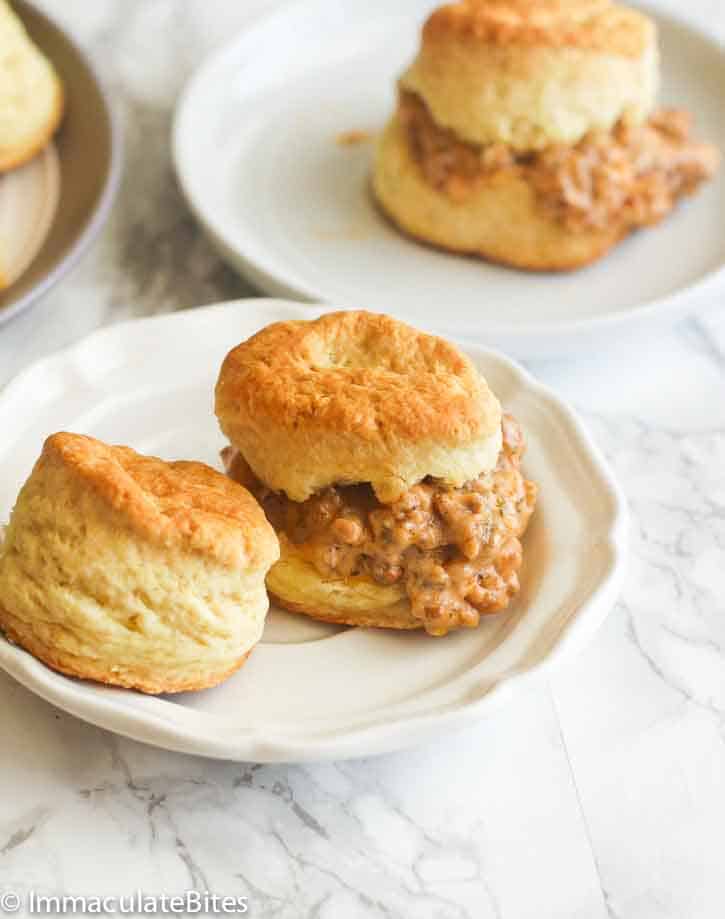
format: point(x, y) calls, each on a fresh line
point(256, 153)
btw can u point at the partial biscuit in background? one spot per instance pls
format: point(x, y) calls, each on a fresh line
point(128, 570)
point(31, 94)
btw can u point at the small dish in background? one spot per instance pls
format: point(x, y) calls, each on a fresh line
point(58, 202)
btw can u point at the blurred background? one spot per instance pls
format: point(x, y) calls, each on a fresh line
point(152, 256)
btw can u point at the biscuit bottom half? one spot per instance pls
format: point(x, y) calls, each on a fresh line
point(554, 209)
point(437, 558)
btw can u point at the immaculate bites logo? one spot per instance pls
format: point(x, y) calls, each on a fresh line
point(188, 903)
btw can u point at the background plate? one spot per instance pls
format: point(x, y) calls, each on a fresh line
point(310, 690)
point(28, 204)
point(256, 154)
point(88, 148)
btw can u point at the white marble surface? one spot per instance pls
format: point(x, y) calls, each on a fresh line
point(603, 795)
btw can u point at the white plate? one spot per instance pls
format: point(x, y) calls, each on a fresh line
point(28, 202)
point(255, 151)
point(310, 690)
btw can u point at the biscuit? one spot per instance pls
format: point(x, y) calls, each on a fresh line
point(31, 94)
point(128, 570)
point(356, 397)
point(530, 73)
point(525, 134)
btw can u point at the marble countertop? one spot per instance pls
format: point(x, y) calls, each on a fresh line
point(601, 794)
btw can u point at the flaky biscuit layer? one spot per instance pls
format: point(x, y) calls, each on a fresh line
point(356, 397)
point(529, 74)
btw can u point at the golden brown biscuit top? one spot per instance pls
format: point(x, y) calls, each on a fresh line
point(358, 373)
point(184, 505)
point(595, 25)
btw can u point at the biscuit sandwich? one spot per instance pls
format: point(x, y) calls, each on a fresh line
point(131, 571)
point(527, 133)
point(382, 459)
point(31, 94)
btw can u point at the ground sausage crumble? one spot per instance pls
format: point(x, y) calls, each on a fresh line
point(456, 551)
point(626, 178)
